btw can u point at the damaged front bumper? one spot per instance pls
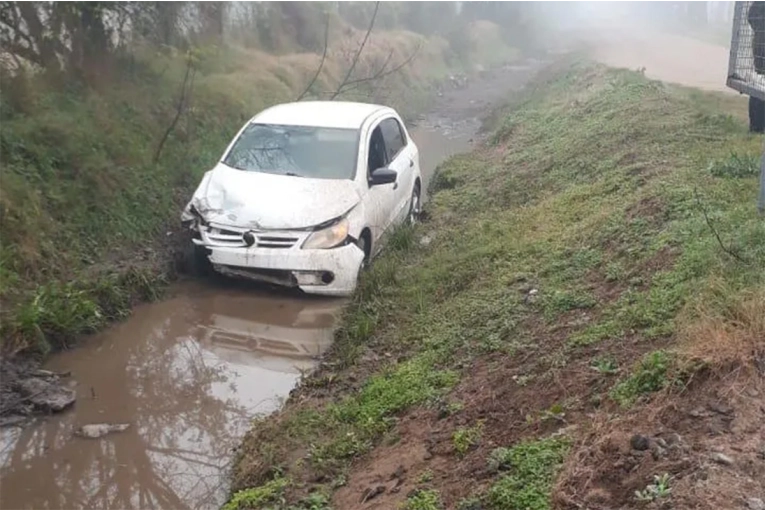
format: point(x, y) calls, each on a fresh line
point(276, 257)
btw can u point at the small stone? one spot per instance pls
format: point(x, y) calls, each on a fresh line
point(427, 456)
point(674, 439)
point(639, 442)
point(661, 442)
point(426, 240)
point(657, 451)
point(720, 408)
point(755, 504)
point(698, 413)
point(721, 458)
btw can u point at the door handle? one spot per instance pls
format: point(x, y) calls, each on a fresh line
point(395, 185)
point(411, 163)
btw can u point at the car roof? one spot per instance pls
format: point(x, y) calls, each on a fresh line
point(331, 114)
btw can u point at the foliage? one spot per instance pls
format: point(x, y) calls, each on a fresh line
point(424, 500)
point(649, 376)
point(532, 466)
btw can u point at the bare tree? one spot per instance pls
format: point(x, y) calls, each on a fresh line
point(321, 64)
point(183, 99)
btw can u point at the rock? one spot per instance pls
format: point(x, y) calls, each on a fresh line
point(96, 430)
point(720, 408)
point(371, 493)
point(398, 473)
point(640, 443)
point(657, 451)
point(46, 395)
point(426, 240)
point(698, 413)
point(755, 504)
point(674, 439)
point(721, 458)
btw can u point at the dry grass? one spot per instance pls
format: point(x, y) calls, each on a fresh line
point(726, 331)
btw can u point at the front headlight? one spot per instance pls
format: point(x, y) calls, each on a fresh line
point(328, 237)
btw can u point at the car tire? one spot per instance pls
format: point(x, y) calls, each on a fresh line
point(415, 205)
point(197, 262)
point(756, 115)
point(364, 245)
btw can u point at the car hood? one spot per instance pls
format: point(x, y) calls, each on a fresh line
point(269, 201)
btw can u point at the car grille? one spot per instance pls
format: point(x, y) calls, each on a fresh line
point(225, 237)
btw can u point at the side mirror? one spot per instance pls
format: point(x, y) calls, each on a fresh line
point(383, 176)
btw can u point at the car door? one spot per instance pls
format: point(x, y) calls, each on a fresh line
point(379, 199)
point(396, 146)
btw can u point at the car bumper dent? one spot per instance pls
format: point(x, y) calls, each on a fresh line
point(331, 272)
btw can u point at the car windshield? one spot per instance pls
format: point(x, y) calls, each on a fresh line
point(302, 151)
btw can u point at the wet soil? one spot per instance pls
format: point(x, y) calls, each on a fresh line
point(174, 388)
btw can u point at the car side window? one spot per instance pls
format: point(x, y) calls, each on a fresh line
point(394, 137)
point(377, 157)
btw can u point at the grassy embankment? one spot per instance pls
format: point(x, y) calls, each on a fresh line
point(573, 280)
point(86, 214)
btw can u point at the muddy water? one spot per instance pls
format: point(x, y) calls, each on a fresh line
point(189, 373)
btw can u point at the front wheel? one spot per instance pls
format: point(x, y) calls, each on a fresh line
point(364, 245)
point(415, 207)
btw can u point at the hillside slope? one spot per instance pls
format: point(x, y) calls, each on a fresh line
point(583, 309)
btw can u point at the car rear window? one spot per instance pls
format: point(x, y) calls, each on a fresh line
point(304, 151)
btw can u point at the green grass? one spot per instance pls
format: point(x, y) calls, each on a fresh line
point(423, 500)
point(531, 467)
point(466, 438)
point(590, 192)
point(269, 493)
point(649, 376)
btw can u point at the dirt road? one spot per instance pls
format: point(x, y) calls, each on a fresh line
point(671, 58)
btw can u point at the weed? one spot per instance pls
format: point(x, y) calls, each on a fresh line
point(556, 412)
point(402, 239)
point(562, 301)
point(471, 503)
point(498, 459)
point(736, 166)
point(255, 497)
point(605, 365)
point(532, 466)
point(649, 376)
point(425, 477)
point(466, 438)
point(424, 500)
point(314, 501)
point(658, 489)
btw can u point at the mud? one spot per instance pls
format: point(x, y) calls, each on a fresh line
point(164, 398)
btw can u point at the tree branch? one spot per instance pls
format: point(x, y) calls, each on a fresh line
point(382, 72)
point(727, 250)
point(321, 64)
point(358, 52)
point(185, 90)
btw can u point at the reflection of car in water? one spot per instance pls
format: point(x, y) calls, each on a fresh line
point(280, 335)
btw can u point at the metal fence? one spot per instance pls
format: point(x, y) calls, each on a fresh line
point(746, 66)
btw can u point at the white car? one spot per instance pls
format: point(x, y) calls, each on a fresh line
point(305, 193)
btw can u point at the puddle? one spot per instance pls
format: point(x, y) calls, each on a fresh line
point(189, 373)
